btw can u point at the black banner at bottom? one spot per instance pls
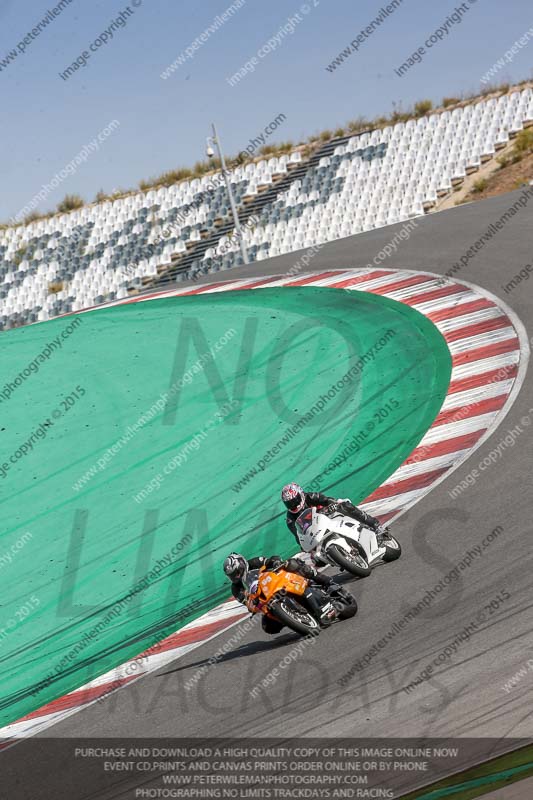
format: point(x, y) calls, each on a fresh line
point(276, 769)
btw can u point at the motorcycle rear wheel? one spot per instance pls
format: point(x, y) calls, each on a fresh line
point(292, 614)
point(345, 603)
point(354, 564)
point(393, 550)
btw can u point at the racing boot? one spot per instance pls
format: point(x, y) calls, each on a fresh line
point(382, 535)
point(329, 615)
point(317, 561)
point(324, 612)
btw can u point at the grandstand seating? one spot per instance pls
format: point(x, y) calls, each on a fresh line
point(354, 184)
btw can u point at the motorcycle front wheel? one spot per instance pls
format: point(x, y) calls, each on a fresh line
point(292, 614)
point(354, 563)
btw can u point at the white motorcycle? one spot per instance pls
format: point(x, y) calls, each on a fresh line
point(341, 541)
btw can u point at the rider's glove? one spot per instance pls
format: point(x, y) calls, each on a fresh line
point(333, 587)
point(273, 562)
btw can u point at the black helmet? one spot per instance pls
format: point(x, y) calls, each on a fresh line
point(235, 566)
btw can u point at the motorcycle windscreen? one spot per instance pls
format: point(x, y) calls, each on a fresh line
point(304, 520)
point(251, 581)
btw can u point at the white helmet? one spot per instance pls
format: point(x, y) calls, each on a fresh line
point(294, 497)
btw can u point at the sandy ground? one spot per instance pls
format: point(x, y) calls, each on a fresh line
point(505, 180)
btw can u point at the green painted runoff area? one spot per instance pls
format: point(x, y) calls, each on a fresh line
point(133, 461)
point(481, 779)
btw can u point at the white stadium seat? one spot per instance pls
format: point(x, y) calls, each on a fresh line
point(364, 181)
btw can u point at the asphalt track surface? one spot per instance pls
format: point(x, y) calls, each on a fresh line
point(465, 696)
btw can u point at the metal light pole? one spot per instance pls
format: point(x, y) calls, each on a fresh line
point(214, 139)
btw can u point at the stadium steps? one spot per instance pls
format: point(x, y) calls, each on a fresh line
point(185, 262)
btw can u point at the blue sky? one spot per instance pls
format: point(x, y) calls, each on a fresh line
point(46, 121)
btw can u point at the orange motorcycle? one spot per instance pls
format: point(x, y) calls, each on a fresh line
point(279, 594)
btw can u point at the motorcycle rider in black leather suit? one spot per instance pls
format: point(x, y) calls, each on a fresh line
point(236, 567)
point(296, 499)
